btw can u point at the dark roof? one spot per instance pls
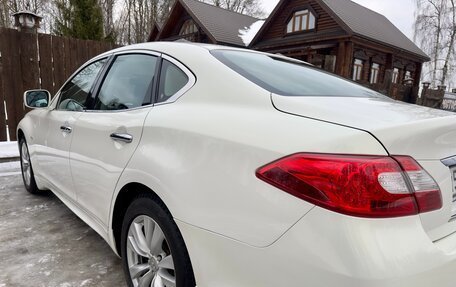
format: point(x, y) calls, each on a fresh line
point(27, 12)
point(360, 21)
point(367, 23)
point(222, 24)
point(154, 32)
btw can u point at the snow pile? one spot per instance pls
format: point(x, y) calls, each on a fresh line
point(8, 149)
point(248, 33)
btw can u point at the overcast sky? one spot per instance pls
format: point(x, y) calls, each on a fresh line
point(400, 12)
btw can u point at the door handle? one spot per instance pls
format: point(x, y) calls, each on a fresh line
point(66, 129)
point(122, 137)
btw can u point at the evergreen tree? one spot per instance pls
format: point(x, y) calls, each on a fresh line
point(79, 19)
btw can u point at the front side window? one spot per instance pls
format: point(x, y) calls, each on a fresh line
point(128, 83)
point(172, 80)
point(301, 21)
point(357, 69)
point(374, 73)
point(74, 94)
point(287, 77)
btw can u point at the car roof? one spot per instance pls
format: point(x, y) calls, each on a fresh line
point(162, 47)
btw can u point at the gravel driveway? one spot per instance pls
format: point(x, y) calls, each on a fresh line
point(42, 243)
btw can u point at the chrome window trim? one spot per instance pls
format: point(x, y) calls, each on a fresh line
point(138, 51)
point(119, 111)
point(191, 81)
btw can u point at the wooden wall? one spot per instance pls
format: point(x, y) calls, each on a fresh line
point(34, 61)
point(277, 27)
point(388, 60)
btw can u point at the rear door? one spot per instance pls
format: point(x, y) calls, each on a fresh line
point(106, 136)
point(57, 124)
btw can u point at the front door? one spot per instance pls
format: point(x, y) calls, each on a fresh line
point(53, 146)
point(106, 137)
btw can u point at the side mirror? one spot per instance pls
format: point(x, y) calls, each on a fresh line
point(37, 99)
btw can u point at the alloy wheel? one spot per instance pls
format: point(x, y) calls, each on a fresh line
point(149, 258)
point(25, 162)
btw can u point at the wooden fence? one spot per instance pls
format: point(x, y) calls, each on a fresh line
point(449, 103)
point(31, 61)
point(399, 91)
point(432, 98)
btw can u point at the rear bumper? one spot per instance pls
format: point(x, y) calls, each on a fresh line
point(327, 249)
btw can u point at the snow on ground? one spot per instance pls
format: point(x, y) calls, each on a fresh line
point(38, 247)
point(10, 168)
point(248, 33)
point(8, 149)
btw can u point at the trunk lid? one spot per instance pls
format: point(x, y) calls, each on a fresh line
point(428, 135)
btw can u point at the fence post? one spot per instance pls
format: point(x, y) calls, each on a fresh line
point(442, 88)
point(388, 82)
point(421, 100)
point(2, 99)
point(432, 98)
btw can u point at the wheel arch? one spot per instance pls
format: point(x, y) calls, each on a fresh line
point(20, 134)
point(124, 198)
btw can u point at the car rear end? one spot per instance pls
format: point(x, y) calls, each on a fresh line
point(378, 220)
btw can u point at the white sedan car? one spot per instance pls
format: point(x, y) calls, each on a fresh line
point(221, 167)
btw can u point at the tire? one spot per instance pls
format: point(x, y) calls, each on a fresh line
point(149, 254)
point(26, 168)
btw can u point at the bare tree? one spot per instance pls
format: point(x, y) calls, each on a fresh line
point(450, 48)
point(248, 7)
point(124, 21)
point(107, 9)
point(435, 32)
point(137, 17)
point(4, 14)
point(35, 6)
point(9, 7)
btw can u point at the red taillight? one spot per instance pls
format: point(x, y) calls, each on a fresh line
point(365, 186)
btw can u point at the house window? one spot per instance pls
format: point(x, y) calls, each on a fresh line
point(395, 75)
point(374, 73)
point(408, 75)
point(357, 70)
point(188, 27)
point(301, 21)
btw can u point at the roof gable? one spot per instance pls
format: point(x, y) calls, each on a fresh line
point(154, 32)
point(369, 24)
point(221, 25)
point(179, 13)
point(277, 20)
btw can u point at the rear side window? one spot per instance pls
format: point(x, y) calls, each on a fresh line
point(172, 80)
point(289, 78)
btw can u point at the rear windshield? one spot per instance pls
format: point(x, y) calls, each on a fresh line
point(289, 78)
